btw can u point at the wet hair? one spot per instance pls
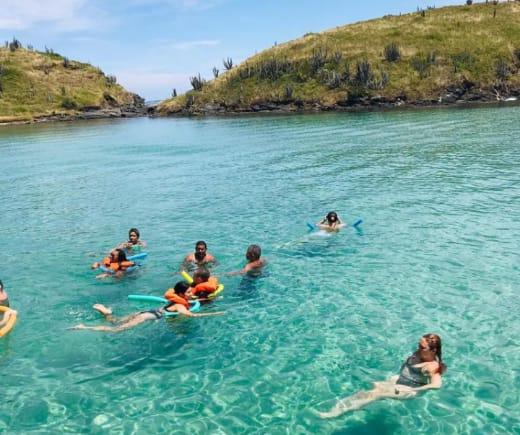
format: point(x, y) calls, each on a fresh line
point(201, 273)
point(435, 345)
point(201, 242)
point(253, 252)
point(181, 287)
point(1, 285)
point(332, 214)
point(121, 255)
point(133, 230)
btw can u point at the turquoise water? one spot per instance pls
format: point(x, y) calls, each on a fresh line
point(439, 193)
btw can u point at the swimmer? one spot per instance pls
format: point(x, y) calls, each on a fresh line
point(331, 222)
point(135, 319)
point(4, 299)
point(255, 262)
point(116, 262)
point(203, 284)
point(421, 371)
point(133, 245)
point(201, 257)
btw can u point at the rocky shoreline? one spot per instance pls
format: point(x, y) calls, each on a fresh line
point(464, 95)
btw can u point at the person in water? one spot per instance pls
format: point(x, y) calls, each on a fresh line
point(203, 284)
point(421, 371)
point(331, 222)
point(116, 264)
point(7, 316)
point(178, 301)
point(4, 298)
point(201, 256)
point(255, 262)
point(133, 245)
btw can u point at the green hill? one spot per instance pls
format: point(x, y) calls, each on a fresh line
point(37, 85)
point(445, 55)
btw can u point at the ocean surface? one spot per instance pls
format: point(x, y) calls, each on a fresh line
point(438, 251)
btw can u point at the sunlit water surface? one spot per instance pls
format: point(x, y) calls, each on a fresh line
point(439, 194)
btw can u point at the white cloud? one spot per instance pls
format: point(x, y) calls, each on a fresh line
point(64, 15)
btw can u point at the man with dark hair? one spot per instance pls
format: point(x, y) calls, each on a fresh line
point(201, 256)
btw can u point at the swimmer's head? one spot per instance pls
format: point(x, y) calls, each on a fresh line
point(430, 349)
point(201, 275)
point(253, 252)
point(181, 287)
point(118, 255)
point(1, 286)
point(133, 235)
point(332, 217)
point(200, 250)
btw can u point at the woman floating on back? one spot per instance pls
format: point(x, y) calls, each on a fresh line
point(421, 371)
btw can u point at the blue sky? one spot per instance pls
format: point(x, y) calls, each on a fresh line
point(153, 46)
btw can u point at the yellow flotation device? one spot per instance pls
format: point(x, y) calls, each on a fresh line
point(9, 325)
point(189, 280)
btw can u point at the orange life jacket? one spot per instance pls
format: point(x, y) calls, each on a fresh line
point(206, 287)
point(115, 266)
point(176, 299)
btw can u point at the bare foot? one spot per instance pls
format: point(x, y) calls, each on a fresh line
point(102, 309)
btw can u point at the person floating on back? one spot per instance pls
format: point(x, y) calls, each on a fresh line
point(421, 371)
point(203, 284)
point(201, 257)
point(114, 265)
point(133, 245)
point(331, 222)
point(255, 262)
point(177, 302)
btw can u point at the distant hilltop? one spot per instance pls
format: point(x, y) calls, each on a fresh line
point(450, 55)
point(38, 86)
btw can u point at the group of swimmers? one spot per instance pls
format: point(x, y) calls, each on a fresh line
point(421, 371)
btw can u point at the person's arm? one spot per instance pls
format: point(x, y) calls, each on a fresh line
point(435, 383)
point(7, 315)
point(181, 309)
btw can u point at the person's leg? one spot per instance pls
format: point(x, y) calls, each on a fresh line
point(381, 390)
point(107, 313)
point(133, 320)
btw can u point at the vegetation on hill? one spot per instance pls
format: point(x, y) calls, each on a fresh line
point(457, 53)
point(37, 84)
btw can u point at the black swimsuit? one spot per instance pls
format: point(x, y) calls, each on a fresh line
point(156, 312)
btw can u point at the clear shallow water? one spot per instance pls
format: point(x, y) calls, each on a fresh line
point(439, 193)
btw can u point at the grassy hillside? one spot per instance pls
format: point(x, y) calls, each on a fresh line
point(459, 52)
point(35, 84)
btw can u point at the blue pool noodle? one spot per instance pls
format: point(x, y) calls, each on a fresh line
point(311, 226)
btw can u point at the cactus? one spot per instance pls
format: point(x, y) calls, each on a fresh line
point(502, 70)
point(215, 72)
point(228, 63)
point(318, 59)
point(197, 82)
point(364, 75)
point(392, 52)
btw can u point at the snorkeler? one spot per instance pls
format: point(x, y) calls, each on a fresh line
point(114, 265)
point(178, 302)
point(331, 222)
point(4, 299)
point(255, 262)
point(201, 256)
point(133, 245)
point(421, 371)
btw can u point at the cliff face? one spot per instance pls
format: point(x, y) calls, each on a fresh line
point(36, 86)
point(437, 56)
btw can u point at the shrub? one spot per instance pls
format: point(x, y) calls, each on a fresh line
point(501, 70)
point(333, 80)
point(68, 103)
point(318, 59)
point(392, 52)
point(462, 60)
point(364, 75)
point(288, 93)
point(197, 82)
point(336, 58)
point(228, 63)
point(15, 45)
point(273, 68)
point(111, 80)
point(66, 62)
